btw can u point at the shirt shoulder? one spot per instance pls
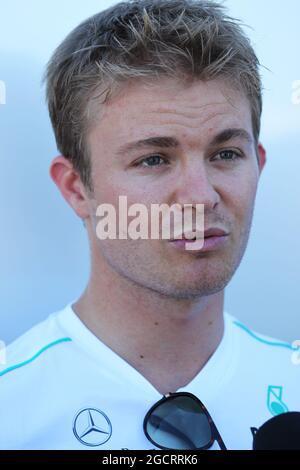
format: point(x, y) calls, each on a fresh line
point(32, 346)
point(264, 352)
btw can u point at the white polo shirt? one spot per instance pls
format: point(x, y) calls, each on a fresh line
point(62, 388)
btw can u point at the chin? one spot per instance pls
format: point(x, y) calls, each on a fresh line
point(192, 291)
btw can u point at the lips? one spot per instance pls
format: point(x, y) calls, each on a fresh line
point(211, 232)
point(214, 232)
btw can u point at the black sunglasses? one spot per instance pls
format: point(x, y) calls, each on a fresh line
point(181, 421)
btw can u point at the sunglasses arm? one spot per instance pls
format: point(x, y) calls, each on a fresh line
point(218, 437)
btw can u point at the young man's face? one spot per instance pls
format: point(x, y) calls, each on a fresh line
point(194, 172)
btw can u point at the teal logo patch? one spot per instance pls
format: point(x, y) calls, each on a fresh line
point(274, 400)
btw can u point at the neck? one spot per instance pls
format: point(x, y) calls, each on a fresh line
point(165, 339)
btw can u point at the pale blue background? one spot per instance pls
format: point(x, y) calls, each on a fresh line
point(43, 246)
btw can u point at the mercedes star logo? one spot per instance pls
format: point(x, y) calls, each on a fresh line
point(92, 427)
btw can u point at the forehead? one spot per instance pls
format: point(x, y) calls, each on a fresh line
point(145, 108)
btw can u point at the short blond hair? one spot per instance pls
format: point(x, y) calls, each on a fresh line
point(143, 38)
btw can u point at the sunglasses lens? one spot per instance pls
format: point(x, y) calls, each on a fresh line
point(179, 423)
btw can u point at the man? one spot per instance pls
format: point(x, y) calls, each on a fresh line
point(159, 102)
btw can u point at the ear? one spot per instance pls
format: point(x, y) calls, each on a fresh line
point(70, 185)
point(262, 157)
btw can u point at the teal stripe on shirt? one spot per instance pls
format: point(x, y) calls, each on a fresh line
point(262, 340)
point(21, 364)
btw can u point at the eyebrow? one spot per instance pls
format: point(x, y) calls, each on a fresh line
point(172, 142)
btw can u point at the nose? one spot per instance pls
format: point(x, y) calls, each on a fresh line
point(194, 185)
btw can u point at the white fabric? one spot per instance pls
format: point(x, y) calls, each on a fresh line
point(59, 368)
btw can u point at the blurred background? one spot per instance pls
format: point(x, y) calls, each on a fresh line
point(44, 259)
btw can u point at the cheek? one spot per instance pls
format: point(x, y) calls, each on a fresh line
point(109, 192)
point(134, 194)
point(238, 194)
point(242, 204)
point(242, 184)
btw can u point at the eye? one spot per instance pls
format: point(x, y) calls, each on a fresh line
point(152, 161)
point(228, 155)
